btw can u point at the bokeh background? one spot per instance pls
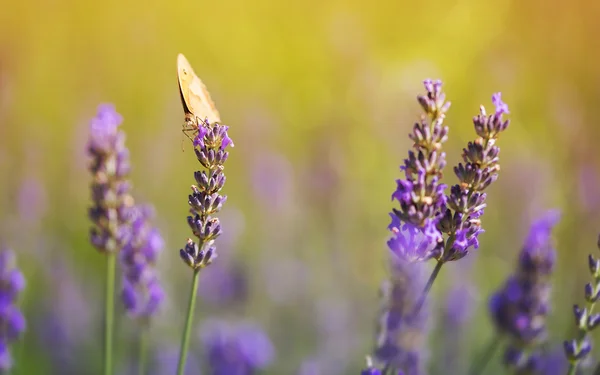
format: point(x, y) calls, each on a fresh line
point(320, 97)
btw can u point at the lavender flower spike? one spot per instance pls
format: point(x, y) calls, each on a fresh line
point(12, 320)
point(402, 334)
point(421, 194)
point(205, 200)
point(110, 168)
point(111, 204)
point(460, 216)
point(585, 318)
point(520, 308)
point(142, 292)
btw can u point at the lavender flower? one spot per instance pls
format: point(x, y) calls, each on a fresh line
point(456, 317)
point(586, 320)
point(112, 206)
point(520, 308)
point(210, 148)
point(12, 320)
point(110, 168)
point(460, 216)
point(420, 194)
point(236, 349)
point(402, 334)
point(142, 292)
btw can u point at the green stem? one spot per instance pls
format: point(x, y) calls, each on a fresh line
point(143, 349)
point(111, 262)
point(572, 368)
point(185, 339)
point(427, 288)
point(480, 364)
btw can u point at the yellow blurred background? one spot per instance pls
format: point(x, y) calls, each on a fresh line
point(320, 98)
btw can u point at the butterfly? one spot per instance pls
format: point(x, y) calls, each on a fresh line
point(195, 98)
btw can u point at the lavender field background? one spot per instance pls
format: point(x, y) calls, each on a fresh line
point(320, 98)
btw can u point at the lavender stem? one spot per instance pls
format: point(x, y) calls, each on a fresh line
point(427, 288)
point(185, 339)
point(111, 261)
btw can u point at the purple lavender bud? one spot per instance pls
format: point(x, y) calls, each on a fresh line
point(236, 349)
point(489, 127)
point(210, 147)
point(593, 321)
point(594, 265)
point(142, 292)
point(434, 102)
point(576, 351)
point(12, 284)
point(590, 294)
point(520, 308)
point(401, 336)
point(580, 316)
point(110, 211)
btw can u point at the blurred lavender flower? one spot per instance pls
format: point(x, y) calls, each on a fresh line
point(273, 181)
point(32, 201)
point(12, 320)
point(236, 349)
point(110, 168)
point(210, 148)
point(336, 343)
point(142, 292)
point(224, 284)
point(520, 308)
point(553, 362)
point(402, 335)
point(69, 319)
point(586, 320)
point(310, 366)
point(165, 362)
point(460, 216)
point(456, 317)
point(420, 194)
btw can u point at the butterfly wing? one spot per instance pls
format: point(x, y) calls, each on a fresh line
point(195, 97)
